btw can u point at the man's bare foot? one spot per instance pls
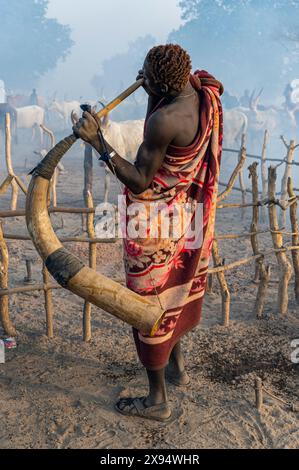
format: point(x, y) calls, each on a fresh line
point(176, 377)
point(139, 407)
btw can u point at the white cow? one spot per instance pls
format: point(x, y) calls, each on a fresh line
point(261, 118)
point(125, 137)
point(30, 117)
point(235, 124)
point(64, 110)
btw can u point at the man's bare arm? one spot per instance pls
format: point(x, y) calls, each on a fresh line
point(138, 176)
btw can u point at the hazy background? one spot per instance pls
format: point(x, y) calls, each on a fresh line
point(101, 29)
point(90, 50)
point(81, 50)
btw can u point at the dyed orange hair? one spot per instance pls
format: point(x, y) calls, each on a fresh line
point(170, 64)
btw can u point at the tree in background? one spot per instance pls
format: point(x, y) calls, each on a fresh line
point(245, 43)
point(30, 43)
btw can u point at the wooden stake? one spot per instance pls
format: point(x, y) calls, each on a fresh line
point(92, 265)
point(284, 182)
point(264, 172)
point(20, 184)
point(255, 216)
point(259, 394)
point(230, 185)
point(295, 237)
point(14, 184)
point(225, 294)
point(5, 185)
point(264, 278)
point(88, 179)
point(4, 299)
point(48, 303)
point(88, 173)
point(28, 279)
point(210, 284)
point(241, 175)
point(284, 266)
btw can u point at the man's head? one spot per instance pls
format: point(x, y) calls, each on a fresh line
point(166, 70)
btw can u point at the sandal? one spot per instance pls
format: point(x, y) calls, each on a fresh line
point(137, 407)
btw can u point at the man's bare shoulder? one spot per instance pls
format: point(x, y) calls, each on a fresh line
point(159, 117)
point(161, 123)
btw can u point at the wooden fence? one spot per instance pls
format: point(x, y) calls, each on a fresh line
point(262, 202)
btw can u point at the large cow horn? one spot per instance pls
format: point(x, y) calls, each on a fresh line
point(67, 269)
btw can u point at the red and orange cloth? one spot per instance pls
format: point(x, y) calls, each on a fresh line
point(167, 270)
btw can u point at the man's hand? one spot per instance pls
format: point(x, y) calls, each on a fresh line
point(140, 75)
point(87, 128)
point(144, 85)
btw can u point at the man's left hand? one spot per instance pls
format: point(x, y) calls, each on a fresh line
point(87, 128)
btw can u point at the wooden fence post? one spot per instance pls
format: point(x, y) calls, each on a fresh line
point(264, 174)
point(4, 299)
point(14, 184)
point(88, 173)
point(284, 182)
point(225, 294)
point(209, 289)
point(88, 177)
point(235, 173)
point(241, 174)
point(48, 303)
point(92, 265)
point(264, 277)
point(5, 185)
point(258, 393)
point(255, 215)
point(284, 266)
point(295, 236)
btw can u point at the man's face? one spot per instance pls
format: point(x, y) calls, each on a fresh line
point(149, 85)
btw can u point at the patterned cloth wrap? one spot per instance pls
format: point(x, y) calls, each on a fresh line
point(170, 270)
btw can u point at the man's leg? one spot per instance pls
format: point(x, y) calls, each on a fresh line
point(155, 405)
point(157, 387)
point(175, 371)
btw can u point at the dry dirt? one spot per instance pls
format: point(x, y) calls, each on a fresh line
point(60, 393)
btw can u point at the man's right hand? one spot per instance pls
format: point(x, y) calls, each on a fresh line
point(141, 76)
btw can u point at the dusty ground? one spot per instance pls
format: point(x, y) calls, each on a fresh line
point(60, 393)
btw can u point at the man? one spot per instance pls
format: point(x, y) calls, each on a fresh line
point(229, 101)
point(177, 163)
point(33, 100)
point(245, 99)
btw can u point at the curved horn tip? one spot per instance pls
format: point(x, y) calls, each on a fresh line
point(74, 117)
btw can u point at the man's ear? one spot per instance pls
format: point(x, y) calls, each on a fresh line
point(164, 88)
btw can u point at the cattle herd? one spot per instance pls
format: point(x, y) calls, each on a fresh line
point(58, 116)
point(246, 115)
